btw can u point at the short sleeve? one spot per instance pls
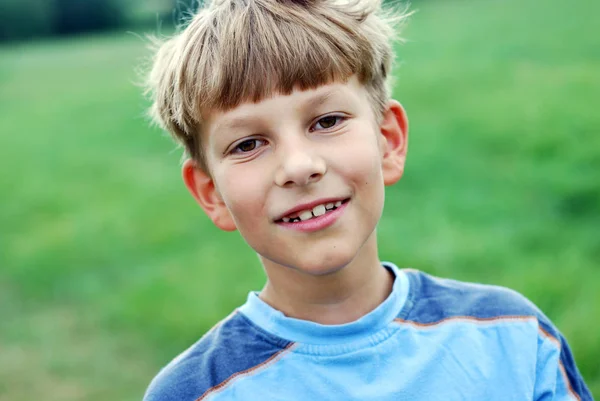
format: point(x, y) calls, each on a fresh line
point(557, 376)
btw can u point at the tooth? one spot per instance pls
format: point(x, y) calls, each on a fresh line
point(329, 206)
point(318, 210)
point(286, 219)
point(305, 215)
point(338, 203)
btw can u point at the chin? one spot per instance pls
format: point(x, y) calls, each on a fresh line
point(315, 260)
point(322, 265)
point(320, 270)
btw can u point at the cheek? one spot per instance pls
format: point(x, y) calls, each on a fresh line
point(242, 191)
point(361, 165)
point(361, 158)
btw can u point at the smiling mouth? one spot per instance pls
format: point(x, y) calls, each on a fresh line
point(315, 212)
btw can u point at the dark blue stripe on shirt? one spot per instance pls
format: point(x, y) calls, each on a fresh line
point(234, 346)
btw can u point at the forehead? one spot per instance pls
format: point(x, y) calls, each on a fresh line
point(350, 94)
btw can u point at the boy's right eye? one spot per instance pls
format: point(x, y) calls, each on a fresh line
point(247, 146)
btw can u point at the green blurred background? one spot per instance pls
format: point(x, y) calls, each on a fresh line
point(108, 269)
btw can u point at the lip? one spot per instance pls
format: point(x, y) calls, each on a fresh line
point(317, 223)
point(309, 206)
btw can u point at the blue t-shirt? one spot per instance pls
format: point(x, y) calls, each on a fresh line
point(431, 339)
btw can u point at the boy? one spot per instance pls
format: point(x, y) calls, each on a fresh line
point(283, 109)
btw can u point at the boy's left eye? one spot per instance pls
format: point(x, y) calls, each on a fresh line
point(327, 122)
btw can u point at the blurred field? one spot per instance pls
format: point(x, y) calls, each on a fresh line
point(108, 269)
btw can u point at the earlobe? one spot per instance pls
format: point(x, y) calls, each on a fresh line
point(394, 131)
point(203, 189)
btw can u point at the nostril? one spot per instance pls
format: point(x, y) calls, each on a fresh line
point(314, 176)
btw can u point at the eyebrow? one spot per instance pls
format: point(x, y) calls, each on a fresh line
point(312, 102)
point(319, 99)
point(236, 123)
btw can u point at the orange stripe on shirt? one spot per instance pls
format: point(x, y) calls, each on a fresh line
point(561, 366)
point(472, 319)
point(246, 372)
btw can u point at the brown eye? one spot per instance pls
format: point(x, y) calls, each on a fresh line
point(248, 145)
point(327, 122)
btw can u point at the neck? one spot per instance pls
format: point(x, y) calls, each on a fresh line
point(335, 298)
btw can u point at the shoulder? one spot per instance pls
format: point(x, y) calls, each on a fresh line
point(230, 348)
point(435, 299)
point(521, 332)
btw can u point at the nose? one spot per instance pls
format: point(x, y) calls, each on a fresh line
point(301, 164)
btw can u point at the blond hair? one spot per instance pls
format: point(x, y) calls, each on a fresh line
point(235, 51)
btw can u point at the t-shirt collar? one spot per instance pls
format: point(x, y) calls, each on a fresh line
point(304, 331)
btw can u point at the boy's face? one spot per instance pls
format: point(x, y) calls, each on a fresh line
point(301, 176)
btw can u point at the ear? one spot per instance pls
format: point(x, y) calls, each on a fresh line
point(394, 142)
point(202, 188)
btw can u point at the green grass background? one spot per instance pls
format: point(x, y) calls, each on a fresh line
point(108, 269)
